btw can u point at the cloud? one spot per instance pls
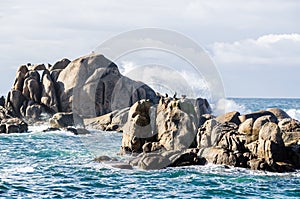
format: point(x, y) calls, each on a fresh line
point(272, 49)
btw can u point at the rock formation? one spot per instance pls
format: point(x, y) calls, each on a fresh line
point(264, 140)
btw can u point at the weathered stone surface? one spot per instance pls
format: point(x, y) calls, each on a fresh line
point(176, 124)
point(20, 77)
point(289, 125)
point(31, 86)
point(100, 122)
point(13, 125)
point(220, 156)
point(34, 111)
point(246, 127)
point(137, 130)
point(60, 120)
point(279, 113)
point(229, 117)
point(207, 136)
point(54, 74)
point(37, 67)
point(203, 118)
point(291, 138)
point(269, 148)
point(62, 64)
point(171, 158)
point(49, 98)
point(202, 107)
point(258, 124)
point(98, 81)
point(15, 99)
point(152, 146)
point(255, 115)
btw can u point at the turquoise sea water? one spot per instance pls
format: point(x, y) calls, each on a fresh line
point(59, 165)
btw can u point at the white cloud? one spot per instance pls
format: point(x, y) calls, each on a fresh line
point(275, 49)
point(45, 31)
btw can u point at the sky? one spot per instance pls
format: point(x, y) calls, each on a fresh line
point(254, 44)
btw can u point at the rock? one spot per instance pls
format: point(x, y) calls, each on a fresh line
point(100, 123)
point(203, 118)
point(49, 98)
point(14, 125)
point(31, 87)
point(60, 120)
point(270, 146)
point(231, 141)
point(176, 124)
point(152, 146)
point(246, 127)
point(20, 77)
point(202, 107)
point(104, 158)
point(291, 138)
point(229, 117)
point(62, 64)
point(120, 117)
point(221, 156)
point(258, 124)
point(208, 135)
point(37, 67)
point(2, 128)
point(97, 80)
point(289, 125)
point(172, 158)
point(34, 111)
point(54, 74)
point(137, 130)
point(15, 100)
point(279, 113)
point(2, 101)
point(255, 115)
point(78, 131)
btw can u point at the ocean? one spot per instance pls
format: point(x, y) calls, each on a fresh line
point(59, 164)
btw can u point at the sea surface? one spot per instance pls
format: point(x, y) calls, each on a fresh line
point(60, 165)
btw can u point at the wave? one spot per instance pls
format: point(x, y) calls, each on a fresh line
point(227, 105)
point(293, 113)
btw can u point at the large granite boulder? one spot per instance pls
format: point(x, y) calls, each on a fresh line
point(176, 122)
point(137, 131)
point(229, 117)
point(92, 86)
point(279, 113)
point(60, 120)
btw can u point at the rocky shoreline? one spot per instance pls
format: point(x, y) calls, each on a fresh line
point(157, 131)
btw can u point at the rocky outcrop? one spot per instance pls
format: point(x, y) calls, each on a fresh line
point(13, 125)
point(171, 125)
point(89, 86)
point(258, 140)
point(97, 87)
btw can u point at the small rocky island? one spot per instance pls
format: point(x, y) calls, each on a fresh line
point(157, 131)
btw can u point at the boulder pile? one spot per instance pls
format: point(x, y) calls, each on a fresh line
point(264, 140)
